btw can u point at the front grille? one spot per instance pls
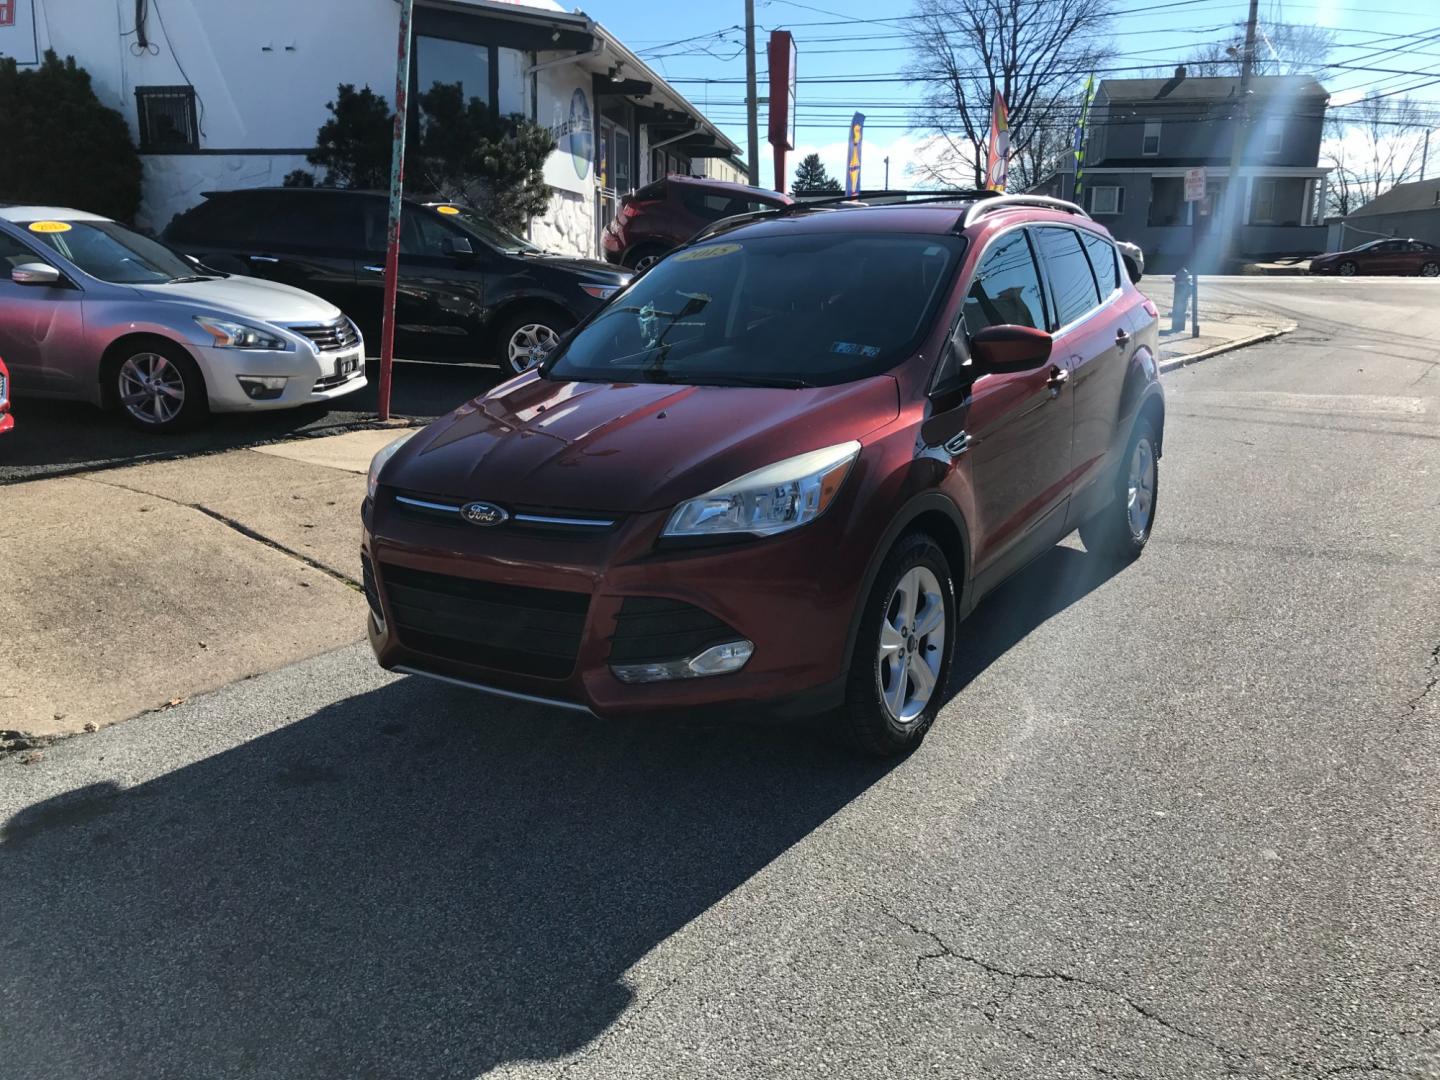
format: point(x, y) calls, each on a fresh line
point(503, 627)
point(441, 510)
point(651, 628)
point(332, 336)
point(372, 594)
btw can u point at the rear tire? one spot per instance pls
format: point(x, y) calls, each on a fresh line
point(1122, 528)
point(157, 386)
point(901, 664)
point(644, 256)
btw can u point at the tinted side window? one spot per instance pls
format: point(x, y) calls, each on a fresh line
point(13, 254)
point(224, 221)
point(422, 233)
point(1006, 289)
point(1102, 261)
point(308, 222)
point(709, 206)
point(1072, 285)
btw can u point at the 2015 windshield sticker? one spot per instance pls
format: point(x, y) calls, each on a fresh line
point(712, 252)
point(850, 348)
point(447, 209)
point(50, 226)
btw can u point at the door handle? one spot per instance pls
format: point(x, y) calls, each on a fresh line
point(372, 268)
point(262, 258)
point(1059, 376)
point(1122, 337)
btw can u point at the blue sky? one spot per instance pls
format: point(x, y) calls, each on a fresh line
point(841, 38)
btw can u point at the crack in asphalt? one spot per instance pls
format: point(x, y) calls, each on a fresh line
point(1413, 705)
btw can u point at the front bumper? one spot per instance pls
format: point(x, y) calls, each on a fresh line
point(312, 375)
point(7, 423)
point(792, 595)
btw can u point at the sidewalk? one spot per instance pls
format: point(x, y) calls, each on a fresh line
point(1224, 326)
point(126, 590)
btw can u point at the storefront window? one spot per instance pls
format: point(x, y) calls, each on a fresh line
point(439, 60)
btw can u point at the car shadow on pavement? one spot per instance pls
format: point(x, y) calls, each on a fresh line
point(54, 438)
point(414, 882)
point(1049, 585)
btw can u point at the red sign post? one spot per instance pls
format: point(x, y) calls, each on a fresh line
point(397, 191)
point(782, 56)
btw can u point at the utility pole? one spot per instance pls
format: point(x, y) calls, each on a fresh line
point(887, 172)
point(1425, 156)
point(1235, 194)
point(752, 157)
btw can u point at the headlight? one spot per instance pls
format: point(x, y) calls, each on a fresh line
point(238, 335)
point(372, 478)
point(769, 500)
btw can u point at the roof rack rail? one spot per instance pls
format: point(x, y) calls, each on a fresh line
point(835, 202)
point(1006, 202)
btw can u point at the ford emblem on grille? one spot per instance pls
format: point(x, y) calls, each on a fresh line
point(483, 513)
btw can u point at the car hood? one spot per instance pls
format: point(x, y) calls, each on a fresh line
point(627, 447)
point(588, 267)
point(248, 297)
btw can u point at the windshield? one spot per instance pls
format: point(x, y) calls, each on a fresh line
point(797, 310)
point(113, 253)
point(488, 231)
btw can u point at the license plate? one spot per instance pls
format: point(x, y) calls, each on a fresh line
point(347, 366)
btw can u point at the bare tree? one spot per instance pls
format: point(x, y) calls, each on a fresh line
point(1036, 55)
point(1281, 48)
point(1374, 146)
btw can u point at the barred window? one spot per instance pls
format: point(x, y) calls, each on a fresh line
point(167, 118)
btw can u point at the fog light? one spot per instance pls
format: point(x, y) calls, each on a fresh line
point(716, 660)
point(263, 387)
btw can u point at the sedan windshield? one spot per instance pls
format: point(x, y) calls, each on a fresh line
point(113, 253)
point(812, 309)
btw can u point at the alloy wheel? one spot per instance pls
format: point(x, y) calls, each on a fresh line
point(645, 262)
point(1430, 270)
point(151, 388)
point(1347, 269)
point(530, 344)
point(1140, 496)
point(912, 644)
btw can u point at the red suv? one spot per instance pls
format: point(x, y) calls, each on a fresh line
point(7, 422)
point(661, 216)
point(779, 468)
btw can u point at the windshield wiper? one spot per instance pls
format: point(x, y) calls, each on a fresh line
point(193, 278)
point(782, 382)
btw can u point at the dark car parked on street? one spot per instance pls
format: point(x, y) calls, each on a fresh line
point(468, 291)
point(661, 216)
point(1381, 257)
point(780, 468)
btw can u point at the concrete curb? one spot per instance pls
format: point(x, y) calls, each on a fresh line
point(1229, 346)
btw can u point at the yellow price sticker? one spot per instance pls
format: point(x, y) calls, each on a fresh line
point(447, 209)
point(50, 226)
point(712, 252)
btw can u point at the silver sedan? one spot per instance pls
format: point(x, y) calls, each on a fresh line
point(93, 311)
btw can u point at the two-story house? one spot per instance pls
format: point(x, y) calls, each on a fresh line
point(1146, 133)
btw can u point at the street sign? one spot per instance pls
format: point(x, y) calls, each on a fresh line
point(1194, 185)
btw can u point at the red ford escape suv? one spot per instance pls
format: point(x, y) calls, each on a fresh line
point(779, 468)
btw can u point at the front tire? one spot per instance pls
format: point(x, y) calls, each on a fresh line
point(1121, 530)
point(901, 663)
point(158, 387)
point(1430, 269)
point(527, 337)
point(1348, 269)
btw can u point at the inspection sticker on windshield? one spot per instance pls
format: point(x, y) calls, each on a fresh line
point(50, 226)
point(850, 348)
point(447, 209)
point(712, 252)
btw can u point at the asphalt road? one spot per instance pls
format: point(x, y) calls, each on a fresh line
point(1177, 821)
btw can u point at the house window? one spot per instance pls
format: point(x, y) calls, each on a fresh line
point(1107, 200)
point(1150, 145)
point(167, 119)
point(1262, 208)
point(1274, 137)
point(439, 60)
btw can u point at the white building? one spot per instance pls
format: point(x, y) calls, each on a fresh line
point(224, 95)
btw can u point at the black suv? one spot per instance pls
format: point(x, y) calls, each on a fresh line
point(469, 290)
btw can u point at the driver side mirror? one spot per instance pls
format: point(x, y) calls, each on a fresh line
point(1002, 350)
point(35, 274)
point(457, 246)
